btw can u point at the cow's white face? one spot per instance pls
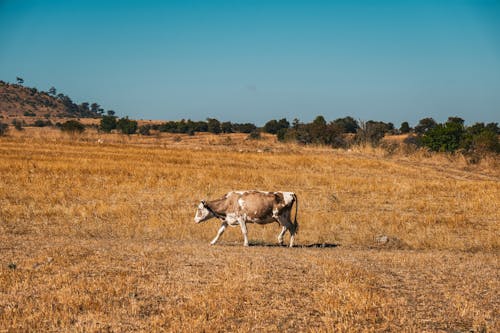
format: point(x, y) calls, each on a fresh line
point(202, 213)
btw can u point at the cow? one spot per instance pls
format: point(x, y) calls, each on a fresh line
point(242, 207)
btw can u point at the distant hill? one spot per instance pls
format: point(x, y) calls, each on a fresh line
point(17, 101)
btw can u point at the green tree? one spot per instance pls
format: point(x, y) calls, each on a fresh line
point(425, 125)
point(405, 128)
point(213, 125)
point(126, 126)
point(52, 91)
point(348, 124)
point(107, 124)
point(94, 107)
point(226, 127)
point(444, 137)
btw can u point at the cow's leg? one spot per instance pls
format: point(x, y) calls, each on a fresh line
point(244, 231)
point(288, 225)
point(219, 233)
point(292, 235)
point(281, 235)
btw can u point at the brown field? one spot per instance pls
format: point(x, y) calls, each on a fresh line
point(100, 237)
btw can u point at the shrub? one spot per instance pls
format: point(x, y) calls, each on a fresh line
point(108, 123)
point(29, 114)
point(405, 128)
point(127, 126)
point(254, 135)
point(3, 129)
point(213, 125)
point(425, 125)
point(372, 132)
point(72, 126)
point(484, 141)
point(18, 124)
point(145, 130)
point(41, 123)
point(444, 137)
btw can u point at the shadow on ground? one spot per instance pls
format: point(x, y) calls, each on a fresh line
point(314, 245)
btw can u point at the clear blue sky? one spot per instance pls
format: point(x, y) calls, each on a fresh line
point(252, 61)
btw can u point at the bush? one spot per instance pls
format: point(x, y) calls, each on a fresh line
point(254, 135)
point(3, 129)
point(72, 126)
point(126, 126)
point(372, 132)
point(274, 126)
point(444, 137)
point(18, 124)
point(108, 123)
point(41, 123)
point(405, 128)
point(145, 130)
point(29, 114)
point(486, 141)
point(425, 125)
point(213, 125)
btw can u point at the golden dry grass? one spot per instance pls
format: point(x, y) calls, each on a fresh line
point(99, 237)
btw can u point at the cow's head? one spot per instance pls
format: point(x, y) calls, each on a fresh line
point(203, 213)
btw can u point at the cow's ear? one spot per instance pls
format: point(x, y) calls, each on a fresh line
point(203, 202)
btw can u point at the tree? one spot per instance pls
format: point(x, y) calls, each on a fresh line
point(405, 128)
point(52, 91)
point(84, 107)
point(111, 113)
point(244, 128)
point(226, 127)
point(372, 131)
point(94, 107)
point(108, 123)
point(455, 120)
point(271, 126)
point(481, 138)
point(444, 137)
point(213, 125)
point(126, 126)
point(424, 125)
point(19, 80)
point(348, 124)
point(274, 126)
point(317, 130)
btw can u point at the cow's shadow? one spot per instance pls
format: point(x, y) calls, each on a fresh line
point(313, 245)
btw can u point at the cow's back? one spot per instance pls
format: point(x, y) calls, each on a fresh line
point(257, 205)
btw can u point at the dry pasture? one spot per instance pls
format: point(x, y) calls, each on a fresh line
point(99, 237)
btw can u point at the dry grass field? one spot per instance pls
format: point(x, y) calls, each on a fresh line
point(100, 237)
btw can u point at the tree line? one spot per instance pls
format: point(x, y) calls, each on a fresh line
point(449, 136)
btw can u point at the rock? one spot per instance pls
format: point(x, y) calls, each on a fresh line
point(383, 239)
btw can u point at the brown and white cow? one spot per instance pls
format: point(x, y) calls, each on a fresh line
point(242, 207)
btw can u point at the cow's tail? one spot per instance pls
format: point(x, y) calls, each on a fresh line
point(295, 223)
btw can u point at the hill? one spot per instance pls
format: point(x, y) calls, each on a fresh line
point(29, 104)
